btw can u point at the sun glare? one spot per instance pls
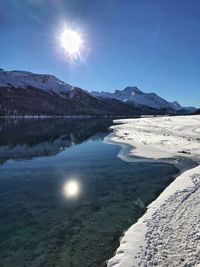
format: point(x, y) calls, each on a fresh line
point(71, 188)
point(71, 41)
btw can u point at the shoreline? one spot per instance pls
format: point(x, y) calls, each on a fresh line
point(65, 116)
point(182, 163)
point(151, 241)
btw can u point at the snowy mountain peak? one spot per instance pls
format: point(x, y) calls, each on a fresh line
point(132, 95)
point(131, 90)
point(138, 98)
point(25, 79)
point(176, 105)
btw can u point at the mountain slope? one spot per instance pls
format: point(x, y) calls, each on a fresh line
point(197, 112)
point(24, 79)
point(26, 93)
point(133, 95)
point(32, 101)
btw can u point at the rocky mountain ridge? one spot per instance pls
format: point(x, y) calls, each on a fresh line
point(25, 93)
point(133, 95)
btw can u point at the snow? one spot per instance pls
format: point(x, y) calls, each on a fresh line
point(135, 95)
point(24, 79)
point(169, 233)
point(177, 106)
point(150, 99)
point(160, 137)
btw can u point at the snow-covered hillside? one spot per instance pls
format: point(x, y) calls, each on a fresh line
point(24, 93)
point(24, 79)
point(136, 96)
point(134, 100)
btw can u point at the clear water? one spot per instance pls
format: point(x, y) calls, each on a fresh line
point(43, 222)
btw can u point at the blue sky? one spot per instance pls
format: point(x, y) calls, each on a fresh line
point(153, 44)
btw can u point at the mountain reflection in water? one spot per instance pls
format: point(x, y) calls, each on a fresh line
point(26, 139)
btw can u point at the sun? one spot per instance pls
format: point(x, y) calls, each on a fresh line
point(71, 41)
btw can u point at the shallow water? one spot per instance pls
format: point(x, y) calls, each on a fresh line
point(43, 221)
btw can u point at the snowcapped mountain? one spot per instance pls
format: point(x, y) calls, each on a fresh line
point(24, 79)
point(175, 105)
point(26, 93)
point(133, 95)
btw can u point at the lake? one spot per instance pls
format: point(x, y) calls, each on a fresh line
point(65, 197)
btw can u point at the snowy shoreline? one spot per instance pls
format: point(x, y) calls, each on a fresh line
point(169, 232)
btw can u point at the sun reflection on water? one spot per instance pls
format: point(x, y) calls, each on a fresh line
point(71, 188)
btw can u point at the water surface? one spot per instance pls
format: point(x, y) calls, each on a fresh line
point(42, 224)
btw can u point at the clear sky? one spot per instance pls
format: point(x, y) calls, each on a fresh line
point(152, 44)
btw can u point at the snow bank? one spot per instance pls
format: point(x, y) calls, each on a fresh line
point(160, 137)
point(169, 233)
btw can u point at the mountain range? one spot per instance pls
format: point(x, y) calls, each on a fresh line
point(26, 93)
point(134, 96)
